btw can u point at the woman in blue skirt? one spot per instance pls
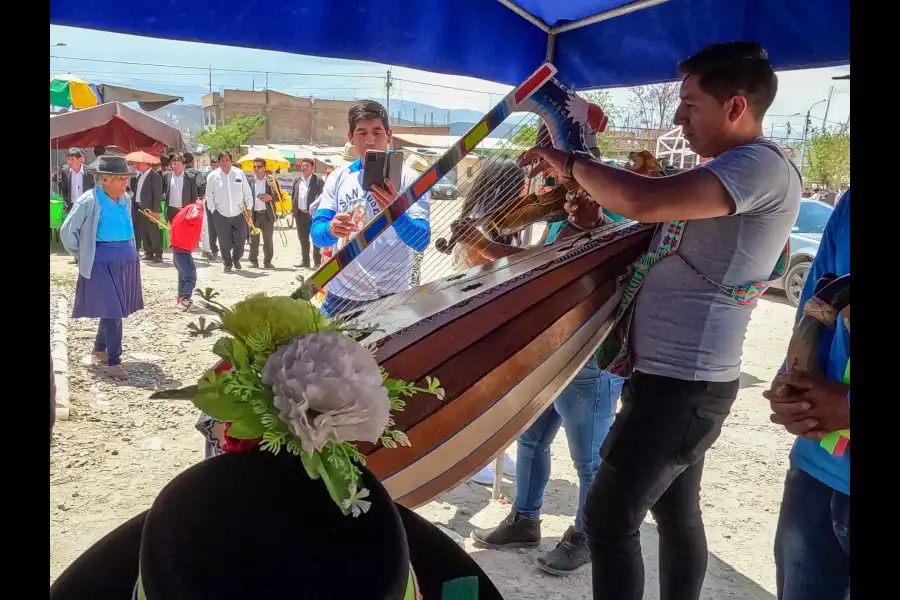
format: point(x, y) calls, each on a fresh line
point(99, 233)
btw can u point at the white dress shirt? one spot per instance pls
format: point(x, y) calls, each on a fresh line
point(176, 186)
point(140, 186)
point(228, 193)
point(302, 191)
point(259, 188)
point(76, 183)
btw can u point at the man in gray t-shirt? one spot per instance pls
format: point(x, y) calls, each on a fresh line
point(687, 327)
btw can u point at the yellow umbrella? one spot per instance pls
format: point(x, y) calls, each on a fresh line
point(274, 160)
point(69, 91)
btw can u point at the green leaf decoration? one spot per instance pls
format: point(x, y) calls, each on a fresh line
point(241, 357)
point(247, 428)
point(214, 400)
point(185, 393)
point(224, 349)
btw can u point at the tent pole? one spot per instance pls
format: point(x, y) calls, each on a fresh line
point(525, 15)
point(551, 47)
point(604, 16)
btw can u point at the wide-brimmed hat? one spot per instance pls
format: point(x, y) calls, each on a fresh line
point(109, 165)
point(254, 525)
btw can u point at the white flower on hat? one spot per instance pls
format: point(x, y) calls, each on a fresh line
point(328, 388)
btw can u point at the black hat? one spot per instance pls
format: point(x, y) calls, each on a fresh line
point(254, 525)
point(109, 165)
point(77, 152)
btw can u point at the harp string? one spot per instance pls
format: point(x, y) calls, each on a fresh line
point(435, 265)
point(439, 220)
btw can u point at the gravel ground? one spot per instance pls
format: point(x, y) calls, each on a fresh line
point(120, 448)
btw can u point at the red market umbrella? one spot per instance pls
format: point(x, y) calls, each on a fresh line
point(113, 124)
point(141, 157)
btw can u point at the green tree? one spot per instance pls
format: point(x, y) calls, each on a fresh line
point(525, 136)
point(828, 159)
point(603, 99)
point(231, 136)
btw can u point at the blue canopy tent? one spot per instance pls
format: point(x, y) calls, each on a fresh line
point(594, 43)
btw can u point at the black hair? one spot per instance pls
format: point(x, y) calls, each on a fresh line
point(99, 150)
point(221, 154)
point(365, 110)
point(310, 161)
point(256, 161)
point(730, 69)
point(177, 156)
point(498, 182)
point(74, 152)
point(188, 158)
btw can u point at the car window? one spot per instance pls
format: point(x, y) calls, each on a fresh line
point(812, 218)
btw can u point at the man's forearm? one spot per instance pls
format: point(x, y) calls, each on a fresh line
point(618, 190)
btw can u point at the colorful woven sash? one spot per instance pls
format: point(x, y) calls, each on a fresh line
point(614, 354)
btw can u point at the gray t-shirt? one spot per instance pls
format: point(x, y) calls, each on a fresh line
point(686, 328)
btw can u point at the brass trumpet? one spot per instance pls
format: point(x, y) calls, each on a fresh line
point(273, 183)
point(146, 212)
point(254, 230)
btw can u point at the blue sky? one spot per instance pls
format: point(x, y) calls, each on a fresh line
point(183, 71)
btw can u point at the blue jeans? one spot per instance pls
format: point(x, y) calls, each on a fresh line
point(585, 409)
point(109, 340)
point(812, 542)
point(187, 273)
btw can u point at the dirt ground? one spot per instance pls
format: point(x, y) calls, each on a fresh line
point(120, 448)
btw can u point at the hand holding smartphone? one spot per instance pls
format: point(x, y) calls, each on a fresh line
point(379, 166)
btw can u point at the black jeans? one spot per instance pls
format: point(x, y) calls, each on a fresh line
point(232, 233)
point(653, 460)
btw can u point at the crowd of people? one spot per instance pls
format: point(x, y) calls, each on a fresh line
point(719, 244)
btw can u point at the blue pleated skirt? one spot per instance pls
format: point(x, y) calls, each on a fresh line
point(114, 289)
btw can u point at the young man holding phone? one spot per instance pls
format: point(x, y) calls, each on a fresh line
point(345, 206)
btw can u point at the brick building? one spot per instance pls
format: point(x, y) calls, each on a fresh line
point(289, 119)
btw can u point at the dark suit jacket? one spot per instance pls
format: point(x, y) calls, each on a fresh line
point(188, 187)
point(315, 188)
point(64, 184)
point(151, 193)
point(270, 208)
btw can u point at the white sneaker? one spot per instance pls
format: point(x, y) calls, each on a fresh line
point(486, 475)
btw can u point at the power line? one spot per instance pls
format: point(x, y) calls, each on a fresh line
point(205, 69)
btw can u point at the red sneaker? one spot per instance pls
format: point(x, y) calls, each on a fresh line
point(179, 302)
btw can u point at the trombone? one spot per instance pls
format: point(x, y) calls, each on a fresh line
point(254, 230)
point(146, 212)
point(273, 183)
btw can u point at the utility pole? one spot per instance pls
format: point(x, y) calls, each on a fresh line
point(266, 112)
point(388, 84)
point(806, 125)
point(827, 106)
point(414, 117)
point(210, 78)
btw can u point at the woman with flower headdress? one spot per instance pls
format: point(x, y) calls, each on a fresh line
point(297, 510)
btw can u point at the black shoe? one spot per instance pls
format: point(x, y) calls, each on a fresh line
point(268, 266)
point(228, 268)
point(146, 257)
point(570, 554)
point(157, 259)
point(254, 264)
point(237, 265)
point(208, 255)
point(515, 531)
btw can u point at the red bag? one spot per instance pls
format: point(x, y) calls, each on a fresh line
point(186, 227)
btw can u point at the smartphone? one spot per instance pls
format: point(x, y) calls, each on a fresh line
point(380, 166)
